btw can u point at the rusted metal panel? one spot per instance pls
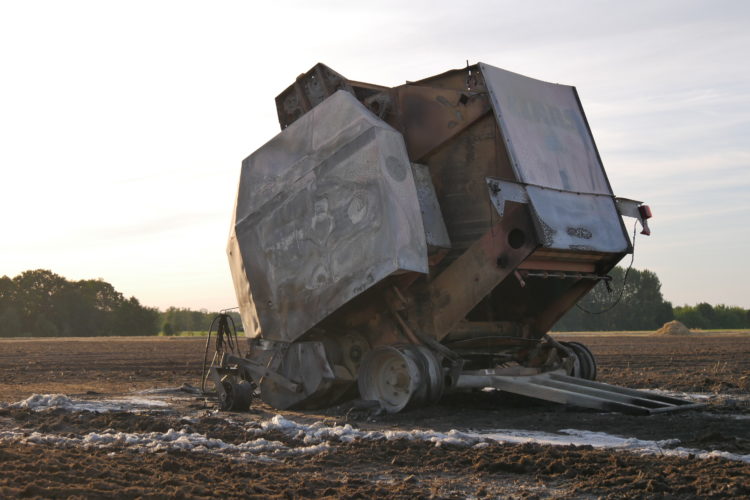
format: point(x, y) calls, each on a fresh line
point(555, 265)
point(468, 78)
point(471, 277)
point(458, 169)
point(430, 117)
point(325, 210)
point(307, 91)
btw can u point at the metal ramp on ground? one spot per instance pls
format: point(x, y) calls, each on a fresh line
point(563, 389)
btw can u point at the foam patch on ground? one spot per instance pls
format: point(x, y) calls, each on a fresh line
point(184, 389)
point(603, 440)
point(39, 402)
point(317, 437)
point(257, 449)
point(739, 400)
point(317, 432)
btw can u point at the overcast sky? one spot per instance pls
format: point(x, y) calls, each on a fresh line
point(123, 124)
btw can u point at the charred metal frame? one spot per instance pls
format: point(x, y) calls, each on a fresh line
point(494, 224)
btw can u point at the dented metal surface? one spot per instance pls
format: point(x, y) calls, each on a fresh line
point(417, 226)
point(326, 210)
point(566, 220)
point(546, 134)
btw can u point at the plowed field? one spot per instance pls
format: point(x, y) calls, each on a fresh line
point(141, 443)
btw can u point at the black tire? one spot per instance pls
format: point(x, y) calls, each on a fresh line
point(584, 361)
point(433, 374)
point(591, 359)
point(237, 397)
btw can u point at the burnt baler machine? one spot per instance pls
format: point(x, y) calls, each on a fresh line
point(400, 243)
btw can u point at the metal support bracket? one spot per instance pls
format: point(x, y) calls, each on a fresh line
point(258, 371)
point(215, 374)
point(502, 191)
point(631, 208)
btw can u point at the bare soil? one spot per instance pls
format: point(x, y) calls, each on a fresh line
point(107, 367)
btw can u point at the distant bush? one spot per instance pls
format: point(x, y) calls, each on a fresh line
point(642, 306)
point(708, 317)
point(41, 303)
point(181, 320)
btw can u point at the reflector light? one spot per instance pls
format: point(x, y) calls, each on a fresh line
point(645, 212)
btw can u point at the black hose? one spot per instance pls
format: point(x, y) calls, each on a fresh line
point(224, 337)
point(624, 281)
point(204, 370)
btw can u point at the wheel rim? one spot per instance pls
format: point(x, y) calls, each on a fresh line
point(389, 376)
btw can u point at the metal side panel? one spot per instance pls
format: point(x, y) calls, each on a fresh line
point(432, 216)
point(566, 220)
point(248, 312)
point(572, 221)
point(546, 133)
point(325, 210)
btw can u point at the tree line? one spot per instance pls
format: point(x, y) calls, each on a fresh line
point(176, 320)
point(641, 306)
point(705, 316)
point(40, 303)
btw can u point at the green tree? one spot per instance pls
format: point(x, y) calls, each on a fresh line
point(42, 303)
point(704, 316)
point(7, 292)
point(44, 328)
point(641, 305)
point(131, 319)
point(46, 304)
point(36, 295)
point(10, 322)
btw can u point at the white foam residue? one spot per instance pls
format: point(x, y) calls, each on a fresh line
point(318, 437)
point(699, 397)
point(39, 402)
point(157, 441)
point(318, 432)
point(578, 437)
point(141, 402)
point(183, 389)
point(704, 397)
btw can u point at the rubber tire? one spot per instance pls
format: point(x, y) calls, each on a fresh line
point(238, 396)
point(584, 367)
point(592, 360)
point(585, 361)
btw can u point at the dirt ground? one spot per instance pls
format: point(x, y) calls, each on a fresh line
point(94, 369)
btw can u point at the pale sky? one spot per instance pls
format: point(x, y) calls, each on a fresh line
point(123, 124)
